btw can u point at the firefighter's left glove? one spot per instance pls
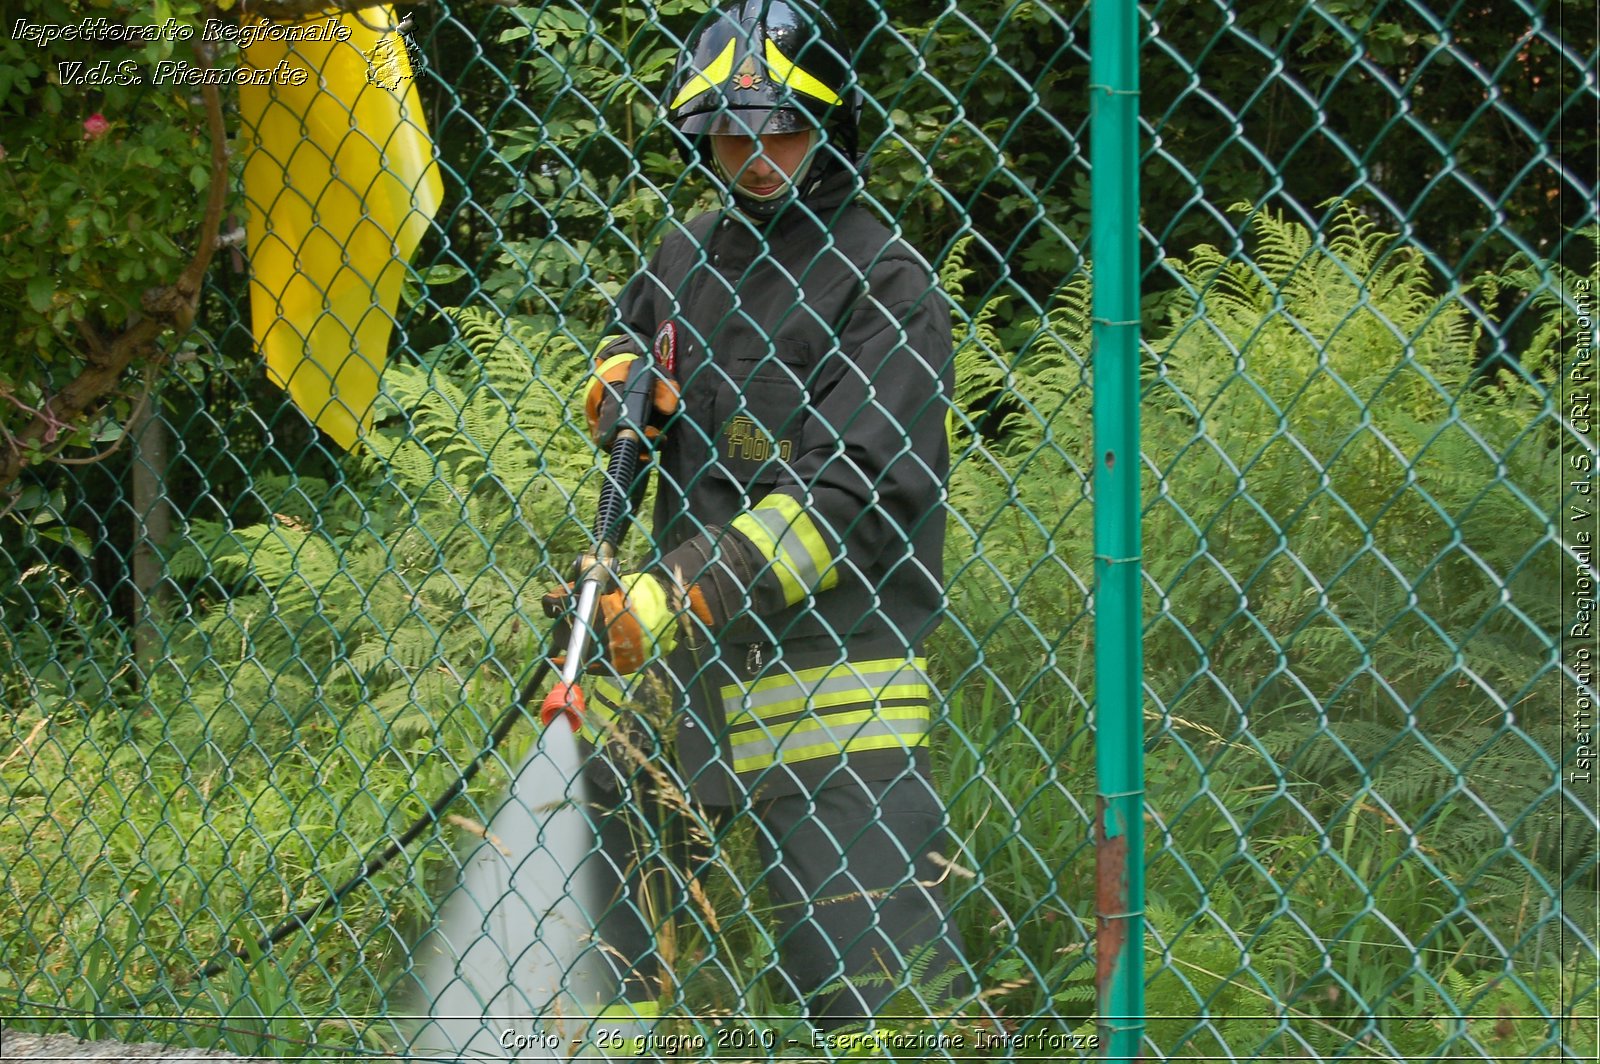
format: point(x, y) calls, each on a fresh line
point(641, 619)
point(602, 404)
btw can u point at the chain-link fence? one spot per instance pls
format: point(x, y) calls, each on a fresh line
point(237, 659)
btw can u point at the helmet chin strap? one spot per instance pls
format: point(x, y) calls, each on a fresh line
point(764, 205)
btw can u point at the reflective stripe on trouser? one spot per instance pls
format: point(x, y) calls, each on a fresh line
point(616, 701)
point(603, 700)
point(827, 712)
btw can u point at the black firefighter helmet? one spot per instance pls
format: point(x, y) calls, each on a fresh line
point(766, 66)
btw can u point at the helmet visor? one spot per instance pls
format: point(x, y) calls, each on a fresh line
point(746, 122)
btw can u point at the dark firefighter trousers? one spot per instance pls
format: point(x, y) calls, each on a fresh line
point(857, 902)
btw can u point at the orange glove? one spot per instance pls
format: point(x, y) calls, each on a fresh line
point(635, 623)
point(604, 397)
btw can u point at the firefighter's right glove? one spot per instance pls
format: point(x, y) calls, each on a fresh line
point(634, 623)
point(603, 401)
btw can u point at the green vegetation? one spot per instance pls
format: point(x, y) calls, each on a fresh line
point(1350, 821)
point(1352, 602)
point(1357, 846)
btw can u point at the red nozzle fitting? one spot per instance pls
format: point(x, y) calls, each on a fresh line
point(564, 698)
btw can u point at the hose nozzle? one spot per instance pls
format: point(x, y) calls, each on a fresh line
point(564, 699)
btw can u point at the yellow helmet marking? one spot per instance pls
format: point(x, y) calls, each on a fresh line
point(707, 79)
point(792, 75)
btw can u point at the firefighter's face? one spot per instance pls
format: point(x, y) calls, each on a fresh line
point(763, 165)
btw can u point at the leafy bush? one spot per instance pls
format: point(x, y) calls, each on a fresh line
point(1355, 607)
point(1352, 605)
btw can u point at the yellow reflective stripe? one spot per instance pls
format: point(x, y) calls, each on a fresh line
point(757, 732)
point(826, 700)
point(835, 694)
point(844, 711)
point(826, 687)
point(792, 75)
point(614, 360)
point(707, 79)
point(902, 727)
point(758, 533)
point(600, 708)
point(801, 545)
point(788, 538)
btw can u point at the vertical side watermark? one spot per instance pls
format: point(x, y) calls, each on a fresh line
point(1580, 533)
point(1579, 522)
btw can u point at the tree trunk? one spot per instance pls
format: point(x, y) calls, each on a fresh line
point(152, 526)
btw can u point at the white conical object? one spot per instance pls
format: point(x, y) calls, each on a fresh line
point(511, 969)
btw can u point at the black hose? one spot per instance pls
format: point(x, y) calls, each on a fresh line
point(616, 494)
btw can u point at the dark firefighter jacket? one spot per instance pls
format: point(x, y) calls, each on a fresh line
point(803, 480)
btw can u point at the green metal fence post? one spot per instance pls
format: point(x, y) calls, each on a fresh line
point(1114, 236)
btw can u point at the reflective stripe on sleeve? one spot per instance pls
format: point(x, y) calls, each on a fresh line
point(787, 537)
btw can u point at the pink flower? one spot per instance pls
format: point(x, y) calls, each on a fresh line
point(95, 126)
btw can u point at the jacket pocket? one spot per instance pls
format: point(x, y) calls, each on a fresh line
point(759, 413)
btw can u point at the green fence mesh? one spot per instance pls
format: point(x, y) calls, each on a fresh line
point(238, 659)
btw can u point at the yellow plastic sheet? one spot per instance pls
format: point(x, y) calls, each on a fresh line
point(341, 184)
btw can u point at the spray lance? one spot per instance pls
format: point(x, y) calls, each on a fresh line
point(619, 495)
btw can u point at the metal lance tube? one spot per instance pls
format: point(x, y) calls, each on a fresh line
point(1119, 664)
point(610, 524)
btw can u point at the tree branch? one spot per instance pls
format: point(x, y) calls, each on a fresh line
point(133, 417)
point(169, 307)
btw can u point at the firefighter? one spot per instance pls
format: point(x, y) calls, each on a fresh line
point(798, 532)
